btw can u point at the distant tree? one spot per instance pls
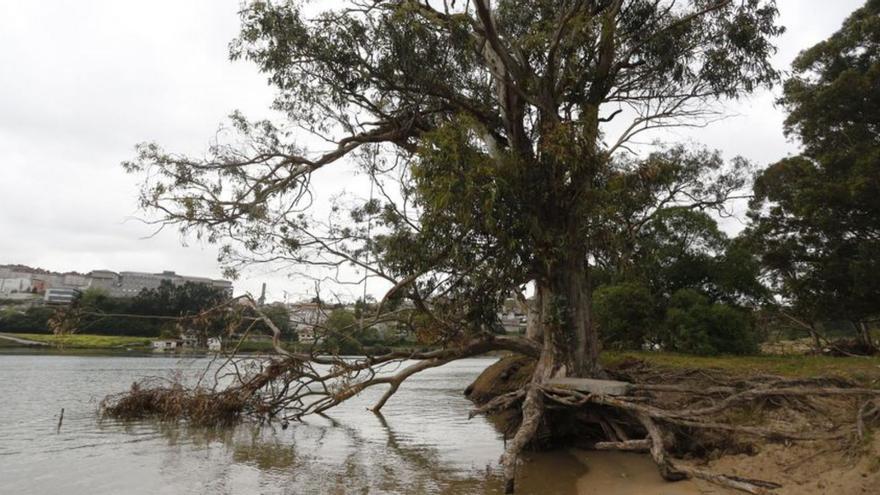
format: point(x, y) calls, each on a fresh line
point(280, 316)
point(627, 315)
point(667, 190)
point(341, 333)
point(816, 216)
point(696, 325)
point(678, 248)
point(171, 299)
point(93, 298)
point(34, 319)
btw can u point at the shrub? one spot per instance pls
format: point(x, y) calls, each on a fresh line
point(626, 315)
point(696, 326)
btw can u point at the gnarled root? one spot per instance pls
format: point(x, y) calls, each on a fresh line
point(687, 416)
point(672, 472)
point(532, 412)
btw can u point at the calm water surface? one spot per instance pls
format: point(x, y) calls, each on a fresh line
point(423, 444)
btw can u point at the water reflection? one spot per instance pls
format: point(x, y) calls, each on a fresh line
point(424, 445)
point(323, 455)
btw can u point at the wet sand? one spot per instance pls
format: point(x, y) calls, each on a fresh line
point(620, 473)
point(579, 472)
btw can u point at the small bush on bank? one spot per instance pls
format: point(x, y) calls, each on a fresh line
point(626, 315)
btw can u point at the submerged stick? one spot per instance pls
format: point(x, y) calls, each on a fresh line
point(60, 420)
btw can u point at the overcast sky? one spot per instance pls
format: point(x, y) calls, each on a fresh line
point(82, 81)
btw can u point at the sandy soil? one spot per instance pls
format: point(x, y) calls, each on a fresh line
point(801, 469)
point(810, 469)
point(618, 473)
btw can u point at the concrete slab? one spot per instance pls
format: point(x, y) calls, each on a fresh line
point(592, 386)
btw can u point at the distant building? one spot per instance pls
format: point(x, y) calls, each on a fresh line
point(38, 281)
point(130, 284)
point(104, 279)
point(305, 318)
point(514, 324)
point(215, 344)
point(189, 338)
point(15, 285)
point(19, 279)
point(166, 344)
point(512, 317)
point(74, 280)
point(60, 296)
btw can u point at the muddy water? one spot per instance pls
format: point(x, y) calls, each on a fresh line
point(423, 444)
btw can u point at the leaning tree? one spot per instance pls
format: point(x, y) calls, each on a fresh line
point(490, 132)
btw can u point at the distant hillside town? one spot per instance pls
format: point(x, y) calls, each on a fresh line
point(20, 282)
point(28, 297)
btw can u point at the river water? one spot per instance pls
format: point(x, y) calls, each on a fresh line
point(424, 443)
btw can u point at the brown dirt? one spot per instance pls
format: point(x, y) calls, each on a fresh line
point(506, 375)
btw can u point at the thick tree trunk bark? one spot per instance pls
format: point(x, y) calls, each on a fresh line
point(567, 316)
point(570, 346)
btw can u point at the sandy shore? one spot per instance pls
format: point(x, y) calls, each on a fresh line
point(801, 469)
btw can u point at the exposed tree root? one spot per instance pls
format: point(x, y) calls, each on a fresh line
point(533, 411)
point(652, 415)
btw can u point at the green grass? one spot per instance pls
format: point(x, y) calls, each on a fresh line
point(256, 346)
point(865, 370)
point(86, 341)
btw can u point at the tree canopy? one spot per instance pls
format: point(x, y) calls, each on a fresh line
point(494, 120)
point(816, 216)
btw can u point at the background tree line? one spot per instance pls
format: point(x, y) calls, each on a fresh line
point(810, 254)
point(148, 314)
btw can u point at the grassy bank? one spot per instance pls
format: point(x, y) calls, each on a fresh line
point(862, 369)
point(86, 341)
point(114, 342)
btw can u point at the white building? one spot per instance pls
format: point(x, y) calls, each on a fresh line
point(215, 344)
point(15, 285)
point(512, 316)
point(305, 320)
point(60, 295)
point(165, 344)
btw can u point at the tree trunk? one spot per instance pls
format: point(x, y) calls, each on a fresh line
point(864, 332)
point(571, 346)
point(566, 298)
point(817, 342)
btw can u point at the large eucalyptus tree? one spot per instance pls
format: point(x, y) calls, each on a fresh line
point(504, 120)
